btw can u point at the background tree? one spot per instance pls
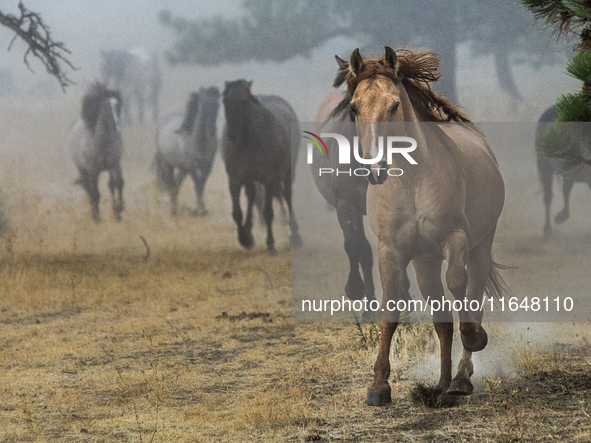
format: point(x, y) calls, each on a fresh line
point(277, 30)
point(568, 19)
point(30, 28)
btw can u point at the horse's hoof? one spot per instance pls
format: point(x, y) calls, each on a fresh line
point(369, 317)
point(379, 397)
point(355, 288)
point(547, 231)
point(200, 212)
point(561, 217)
point(460, 386)
point(296, 241)
point(246, 240)
point(476, 341)
point(272, 251)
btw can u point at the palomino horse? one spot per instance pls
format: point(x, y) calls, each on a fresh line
point(257, 149)
point(136, 74)
point(445, 207)
point(347, 193)
point(187, 143)
point(96, 145)
point(548, 168)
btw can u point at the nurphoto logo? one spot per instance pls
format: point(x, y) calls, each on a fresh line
point(376, 162)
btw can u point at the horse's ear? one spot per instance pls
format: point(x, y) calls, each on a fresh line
point(390, 59)
point(343, 64)
point(250, 84)
point(355, 62)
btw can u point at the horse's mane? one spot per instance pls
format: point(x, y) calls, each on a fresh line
point(416, 71)
point(91, 104)
point(190, 113)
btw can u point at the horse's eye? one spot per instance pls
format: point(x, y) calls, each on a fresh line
point(354, 109)
point(394, 107)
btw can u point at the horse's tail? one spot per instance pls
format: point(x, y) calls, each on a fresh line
point(496, 286)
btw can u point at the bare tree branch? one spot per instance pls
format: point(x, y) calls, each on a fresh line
point(30, 28)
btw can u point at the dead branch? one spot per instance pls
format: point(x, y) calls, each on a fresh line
point(30, 28)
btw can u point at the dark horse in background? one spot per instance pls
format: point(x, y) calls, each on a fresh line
point(347, 194)
point(257, 149)
point(186, 143)
point(548, 168)
point(136, 74)
point(96, 145)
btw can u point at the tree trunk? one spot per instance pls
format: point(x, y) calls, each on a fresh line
point(444, 41)
point(505, 75)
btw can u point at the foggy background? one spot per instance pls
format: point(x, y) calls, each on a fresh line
point(87, 27)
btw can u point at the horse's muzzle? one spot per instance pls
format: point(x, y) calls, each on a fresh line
point(378, 173)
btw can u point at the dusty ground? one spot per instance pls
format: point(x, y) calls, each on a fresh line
point(196, 342)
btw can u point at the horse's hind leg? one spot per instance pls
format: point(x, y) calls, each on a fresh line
point(89, 182)
point(116, 188)
point(546, 172)
point(296, 240)
point(268, 215)
point(567, 187)
point(350, 221)
point(429, 281)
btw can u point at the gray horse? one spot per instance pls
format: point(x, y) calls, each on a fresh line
point(96, 145)
point(186, 143)
point(136, 74)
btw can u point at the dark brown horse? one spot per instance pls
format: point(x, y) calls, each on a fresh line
point(445, 205)
point(549, 168)
point(257, 149)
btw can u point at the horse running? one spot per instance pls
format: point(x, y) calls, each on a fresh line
point(96, 145)
point(136, 74)
point(548, 168)
point(257, 149)
point(347, 194)
point(186, 143)
point(445, 207)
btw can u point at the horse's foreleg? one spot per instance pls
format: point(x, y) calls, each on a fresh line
point(250, 199)
point(244, 237)
point(116, 188)
point(89, 182)
point(199, 182)
point(429, 281)
point(479, 263)
point(350, 220)
point(567, 187)
point(455, 250)
point(296, 240)
point(392, 266)
point(268, 215)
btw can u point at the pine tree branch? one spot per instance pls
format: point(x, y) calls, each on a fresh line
point(30, 28)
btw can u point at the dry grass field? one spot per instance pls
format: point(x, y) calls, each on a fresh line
point(195, 343)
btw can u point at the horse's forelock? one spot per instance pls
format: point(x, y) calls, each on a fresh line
point(91, 103)
point(416, 70)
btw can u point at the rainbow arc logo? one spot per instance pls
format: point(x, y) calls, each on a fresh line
point(316, 142)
